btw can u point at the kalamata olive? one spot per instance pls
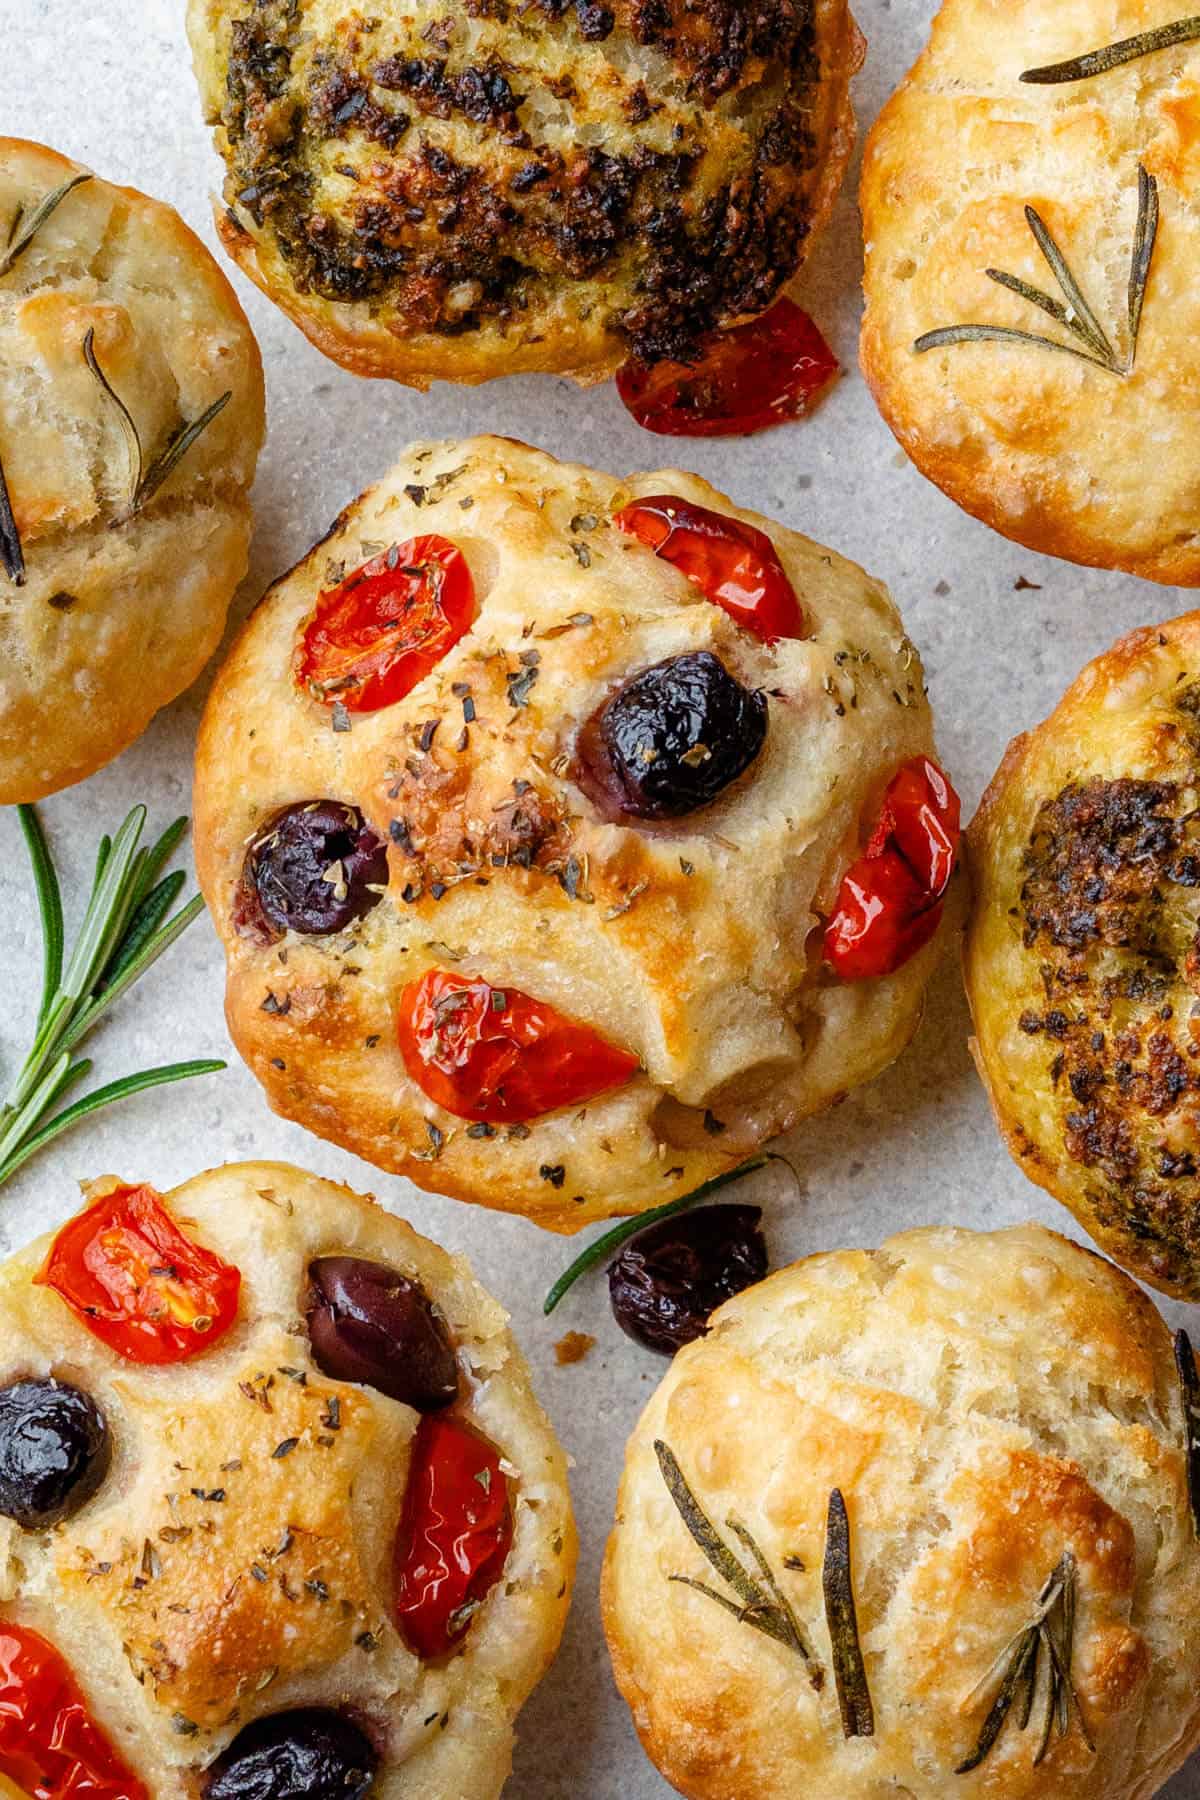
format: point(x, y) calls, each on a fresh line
point(54, 1451)
point(371, 1325)
point(671, 739)
point(310, 1753)
point(311, 870)
point(666, 1282)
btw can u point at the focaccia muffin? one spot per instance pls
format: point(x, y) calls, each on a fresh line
point(131, 415)
point(538, 872)
point(1082, 954)
point(279, 1511)
point(459, 193)
point(916, 1522)
point(1010, 190)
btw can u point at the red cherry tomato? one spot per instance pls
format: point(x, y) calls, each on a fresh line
point(455, 1535)
point(890, 902)
point(498, 1056)
point(760, 374)
point(143, 1288)
point(50, 1745)
point(734, 565)
point(380, 631)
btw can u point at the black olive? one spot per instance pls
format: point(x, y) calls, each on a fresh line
point(667, 1281)
point(671, 739)
point(312, 870)
point(310, 1753)
point(370, 1325)
point(54, 1451)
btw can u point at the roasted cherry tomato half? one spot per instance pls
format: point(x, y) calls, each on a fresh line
point(499, 1056)
point(734, 565)
point(764, 373)
point(50, 1745)
point(380, 631)
point(126, 1269)
point(455, 1535)
point(890, 902)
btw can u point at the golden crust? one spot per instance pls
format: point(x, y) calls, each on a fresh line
point(984, 1402)
point(1062, 457)
point(149, 1590)
point(112, 622)
point(696, 945)
point(1081, 956)
point(434, 196)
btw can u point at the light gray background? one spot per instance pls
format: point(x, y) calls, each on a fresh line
point(110, 82)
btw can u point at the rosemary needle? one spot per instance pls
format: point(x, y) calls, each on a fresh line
point(614, 1238)
point(125, 929)
point(1113, 56)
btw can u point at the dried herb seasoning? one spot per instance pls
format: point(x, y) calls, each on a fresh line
point(1073, 312)
point(763, 1604)
point(25, 226)
point(146, 479)
point(11, 553)
point(1113, 56)
point(837, 1582)
point(1048, 1638)
point(1189, 1391)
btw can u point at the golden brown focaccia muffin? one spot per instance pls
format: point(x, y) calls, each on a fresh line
point(226, 1510)
point(854, 1509)
point(1092, 456)
point(459, 193)
point(113, 589)
point(1082, 955)
point(469, 945)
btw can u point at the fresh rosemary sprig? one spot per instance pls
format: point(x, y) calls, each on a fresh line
point(837, 1580)
point(125, 928)
point(1050, 1631)
point(1189, 1391)
point(25, 226)
point(1112, 56)
point(1076, 315)
point(618, 1234)
point(764, 1605)
point(11, 554)
point(145, 481)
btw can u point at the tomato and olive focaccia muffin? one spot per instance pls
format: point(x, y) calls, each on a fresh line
point(916, 1522)
point(280, 1513)
point(1032, 329)
point(459, 193)
point(131, 415)
point(554, 872)
point(1082, 954)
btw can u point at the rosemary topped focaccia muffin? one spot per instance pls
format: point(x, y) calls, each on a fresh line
point(1032, 327)
point(280, 1515)
point(568, 837)
point(1082, 955)
point(459, 193)
point(919, 1521)
point(131, 416)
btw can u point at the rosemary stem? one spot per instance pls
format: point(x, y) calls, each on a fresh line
point(44, 1095)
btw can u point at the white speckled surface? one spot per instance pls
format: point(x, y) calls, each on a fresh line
point(109, 81)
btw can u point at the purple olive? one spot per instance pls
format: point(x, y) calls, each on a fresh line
point(667, 1281)
point(375, 1327)
point(313, 869)
point(54, 1451)
point(310, 1753)
point(670, 740)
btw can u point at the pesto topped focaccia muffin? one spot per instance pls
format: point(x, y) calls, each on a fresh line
point(465, 192)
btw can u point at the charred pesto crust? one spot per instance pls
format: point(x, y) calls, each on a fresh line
point(438, 192)
point(1083, 953)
